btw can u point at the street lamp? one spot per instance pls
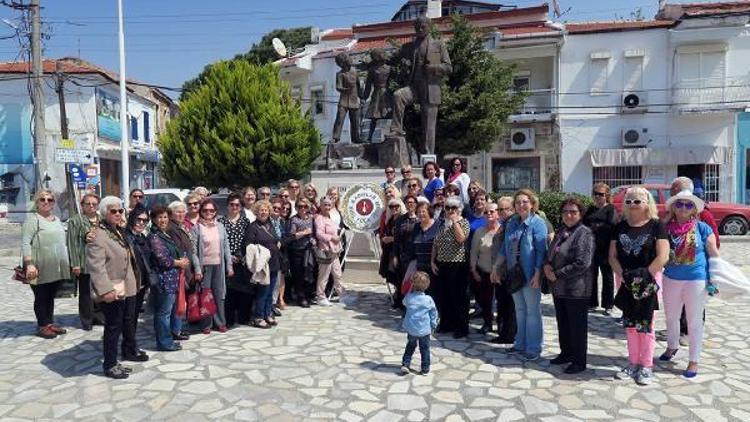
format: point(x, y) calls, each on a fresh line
point(124, 141)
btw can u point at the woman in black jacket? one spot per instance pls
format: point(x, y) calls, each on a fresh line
point(261, 232)
point(601, 219)
point(568, 269)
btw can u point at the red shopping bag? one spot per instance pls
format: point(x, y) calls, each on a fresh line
point(207, 303)
point(193, 308)
point(181, 304)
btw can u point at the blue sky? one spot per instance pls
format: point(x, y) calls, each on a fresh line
point(170, 41)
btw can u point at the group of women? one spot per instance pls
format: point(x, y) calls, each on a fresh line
point(231, 269)
point(505, 251)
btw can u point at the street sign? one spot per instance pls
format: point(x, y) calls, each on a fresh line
point(77, 173)
point(82, 156)
point(68, 144)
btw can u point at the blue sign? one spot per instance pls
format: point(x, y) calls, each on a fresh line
point(108, 115)
point(16, 146)
point(77, 173)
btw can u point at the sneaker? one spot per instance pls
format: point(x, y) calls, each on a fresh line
point(424, 372)
point(405, 370)
point(116, 372)
point(627, 372)
point(324, 302)
point(530, 357)
point(644, 376)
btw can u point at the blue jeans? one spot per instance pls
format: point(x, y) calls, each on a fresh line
point(165, 318)
point(529, 335)
point(264, 298)
point(424, 351)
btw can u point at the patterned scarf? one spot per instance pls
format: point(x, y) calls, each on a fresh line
point(682, 239)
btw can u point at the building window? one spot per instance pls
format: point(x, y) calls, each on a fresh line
point(317, 101)
point(509, 175)
point(633, 73)
point(615, 176)
point(711, 182)
point(522, 82)
point(146, 127)
point(701, 76)
point(133, 128)
point(598, 74)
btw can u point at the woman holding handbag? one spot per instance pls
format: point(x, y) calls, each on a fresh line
point(524, 249)
point(45, 261)
point(328, 241)
point(210, 241)
point(114, 279)
point(168, 262)
point(568, 270)
point(177, 211)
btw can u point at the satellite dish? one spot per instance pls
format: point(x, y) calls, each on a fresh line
point(279, 47)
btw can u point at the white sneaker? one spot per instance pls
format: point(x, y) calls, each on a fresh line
point(405, 370)
point(627, 372)
point(644, 376)
point(324, 302)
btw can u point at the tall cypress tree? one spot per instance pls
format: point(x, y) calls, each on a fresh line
point(240, 126)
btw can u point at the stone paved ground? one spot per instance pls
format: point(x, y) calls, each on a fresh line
point(341, 363)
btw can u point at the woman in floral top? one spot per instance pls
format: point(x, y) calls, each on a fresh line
point(450, 263)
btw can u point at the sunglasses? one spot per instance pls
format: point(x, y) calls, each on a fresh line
point(90, 204)
point(394, 207)
point(265, 194)
point(406, 172)
point(633, 202)
point(137, 196)
point(488, 212)
point(49, 200)
point(285, 196)
point(141, 220)
point(414, 186)
point(599, 194)
point(277, 208)
point(456, 164)
point(211, 210)
point(294, 187)
point(303, 207)
point(451, 208)
point(684, 204)
point(390, 171)
point(193, 204)
point(120, 211)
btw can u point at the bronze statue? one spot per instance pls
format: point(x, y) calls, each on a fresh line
point(428, 61)
point(377, 84)
point(347, 84)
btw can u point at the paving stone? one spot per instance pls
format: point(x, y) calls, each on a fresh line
point(405, 402)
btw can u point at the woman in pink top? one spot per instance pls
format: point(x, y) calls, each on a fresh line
point(328, 239)
point(211, 243)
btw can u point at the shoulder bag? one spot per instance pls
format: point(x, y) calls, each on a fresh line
point(321, 256)
point(515, 277)
point(19, 272)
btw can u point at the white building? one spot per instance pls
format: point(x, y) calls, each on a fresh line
point(644, 102)
point(91, 98)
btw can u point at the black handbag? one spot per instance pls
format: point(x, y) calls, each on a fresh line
point(515, 276)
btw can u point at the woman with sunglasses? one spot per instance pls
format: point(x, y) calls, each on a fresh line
point(193, 203)
point(310, 192)
point(458, 176)
point(168, 262)
point(136, 235)
point(281, 226)
point(485, 248)
point(45, 259)
point(525, 245)
point(450, 264)
point(414, 187)
point(387, 269)
point(261, 232)
point(692, 243)
point(212, 247)
point(80, 228)
point(402, 241)
point(601, 219)
point(114, 280)
point(239, 291)
point(301, 261)
point(286, 196)
point(637, 253)
point(431, 173)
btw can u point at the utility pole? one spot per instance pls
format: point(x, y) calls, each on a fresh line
point(37, 72)
point(60, 88)
point(124, 143)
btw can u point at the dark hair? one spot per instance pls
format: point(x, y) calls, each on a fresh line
point(572, 200)
point(156, 211)
point(450, 167)
point(137, 210)
point(473, 199)
point(134, 191)
point(233, 196)
point(412, 197)
point(430, 211)
point(207, 201)
point(430, 163)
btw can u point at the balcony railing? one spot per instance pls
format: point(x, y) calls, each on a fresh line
point(538, 105)
point(711, 94)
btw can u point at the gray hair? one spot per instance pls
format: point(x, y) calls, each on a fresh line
point(107, 203)
point(684, 182)
point(454, 201)
point(175, 205)
point(491, 206)
point(201, 190)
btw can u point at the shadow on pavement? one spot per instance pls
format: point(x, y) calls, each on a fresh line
point(16, 328)
point(82, 359)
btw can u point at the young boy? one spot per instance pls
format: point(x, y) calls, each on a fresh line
point(419, 321)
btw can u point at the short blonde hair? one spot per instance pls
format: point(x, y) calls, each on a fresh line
point(396, 191)
point(508, 199)
point(529, 194)
point(639, 192)
point(263, 203)
point(420, 281)
point(43, 192)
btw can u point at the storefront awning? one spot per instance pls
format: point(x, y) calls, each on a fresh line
point(703, 154)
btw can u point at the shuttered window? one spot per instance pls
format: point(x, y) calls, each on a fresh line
point(598, 74)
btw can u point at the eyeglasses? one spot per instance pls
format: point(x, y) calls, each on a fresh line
point(277, 208)
point(633, 202)
point(570, 212)
point(411, 203)
point(234, 204)
point(285, 195)
point(193, 204)
point(684, 204)
point(390, 171)
point(90, 204)
point(488, 212)
point(120, 211)
point(505, 209)
point(414, 186)
point(600, 194)
point(208, 210)
point(140, 220)
point(394, 207)
point(451, 208)
point(294, 187)
point(49, 200)
point(137, 196)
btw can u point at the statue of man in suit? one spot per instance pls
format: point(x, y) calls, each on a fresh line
point(349, 88)
point(429, 63)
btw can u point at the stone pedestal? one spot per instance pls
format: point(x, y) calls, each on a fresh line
point(393, 151)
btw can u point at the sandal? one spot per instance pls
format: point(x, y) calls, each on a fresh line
point(668, 355)
point(271, 321)
point(260, 323)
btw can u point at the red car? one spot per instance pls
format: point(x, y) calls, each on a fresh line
point(732, 219)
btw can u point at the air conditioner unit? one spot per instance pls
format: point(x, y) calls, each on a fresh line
point(635, 138)
point(634, 102)
point(522, 139)
point(348, 163)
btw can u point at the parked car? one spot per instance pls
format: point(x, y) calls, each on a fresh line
point(732, 219)
point(163, 196)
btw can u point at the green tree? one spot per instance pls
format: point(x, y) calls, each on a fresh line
point(260, 53)
point(477, 96)
point(240, 126)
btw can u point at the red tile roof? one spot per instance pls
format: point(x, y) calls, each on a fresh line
point(614, 26)
point(706, 9)
point(337, 34)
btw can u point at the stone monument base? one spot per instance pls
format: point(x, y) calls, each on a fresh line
point(393, 151)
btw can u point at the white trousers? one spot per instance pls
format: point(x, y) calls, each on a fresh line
point(692, 294)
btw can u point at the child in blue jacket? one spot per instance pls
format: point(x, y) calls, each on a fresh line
point(419, 321)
